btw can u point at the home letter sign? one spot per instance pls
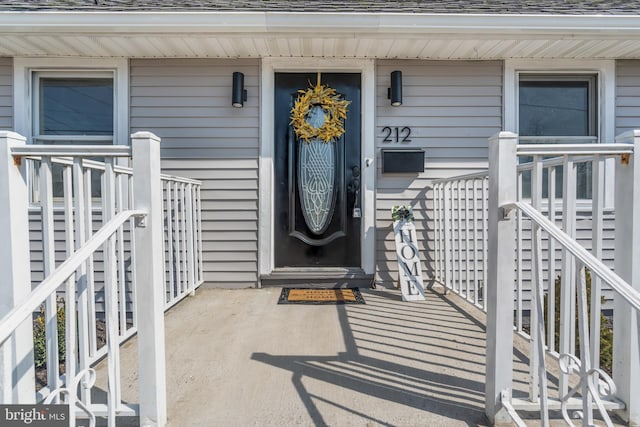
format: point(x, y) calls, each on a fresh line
point(409, 271)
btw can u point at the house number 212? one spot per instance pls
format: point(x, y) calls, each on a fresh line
point(396, 134)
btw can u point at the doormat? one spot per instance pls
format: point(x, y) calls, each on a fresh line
point(320, 296)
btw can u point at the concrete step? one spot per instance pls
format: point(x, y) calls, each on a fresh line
point(318, 278)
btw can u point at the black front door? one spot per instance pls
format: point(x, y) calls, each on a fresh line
point(310, 232)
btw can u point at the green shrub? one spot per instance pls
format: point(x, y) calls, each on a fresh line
point(606, 332)
point(39, 336)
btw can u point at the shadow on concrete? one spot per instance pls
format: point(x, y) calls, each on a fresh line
point(394, 352)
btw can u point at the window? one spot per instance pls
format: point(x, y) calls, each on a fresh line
point(72, 108)
point(78, 109)
point(562, 109)
point(557, 108)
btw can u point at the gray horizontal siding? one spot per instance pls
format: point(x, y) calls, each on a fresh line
point(452, 107)
point(584, 236)
point(6, 94)
point(187, 103)
point(627, 95)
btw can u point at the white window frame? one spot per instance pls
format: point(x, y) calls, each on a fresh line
point(24, 92)
point(605, 72)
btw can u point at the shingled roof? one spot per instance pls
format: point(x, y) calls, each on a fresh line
point(544, 7)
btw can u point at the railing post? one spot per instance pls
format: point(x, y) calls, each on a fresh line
point(626, 330)
point(149, 271)
point(17, 375)
point(500, 274)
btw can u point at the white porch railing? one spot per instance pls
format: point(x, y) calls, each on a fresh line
point(115, 251)
point(460, 235)
point(183, 237)
point(523, 252)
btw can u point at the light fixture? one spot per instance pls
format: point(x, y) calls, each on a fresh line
point(394, 93)
point(239, 94)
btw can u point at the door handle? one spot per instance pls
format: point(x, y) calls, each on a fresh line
point(354, 187)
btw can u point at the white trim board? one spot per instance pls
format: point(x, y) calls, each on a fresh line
point(266, 205)
point(260, 22)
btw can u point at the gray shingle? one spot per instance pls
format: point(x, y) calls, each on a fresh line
point(564, 7)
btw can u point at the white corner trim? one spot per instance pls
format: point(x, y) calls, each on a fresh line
point(22, 75)
point(266, 206)
point(266, 171)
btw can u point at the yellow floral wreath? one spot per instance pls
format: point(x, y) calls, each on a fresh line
point(334, 108)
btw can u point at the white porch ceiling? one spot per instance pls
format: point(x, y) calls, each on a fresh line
point(254, 35)
point(248, 46)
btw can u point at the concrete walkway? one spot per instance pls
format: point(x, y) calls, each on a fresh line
point(237, 358)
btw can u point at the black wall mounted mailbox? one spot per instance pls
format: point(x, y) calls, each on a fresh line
point(402, 161)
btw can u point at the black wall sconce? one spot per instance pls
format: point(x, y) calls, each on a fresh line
point(239, 94)
point(394, 93)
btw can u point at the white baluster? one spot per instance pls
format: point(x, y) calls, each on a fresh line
point(90, 277)
point(567, 290)
point(519, 233)
point(536, 195)
point(436, 232)
point(81, 231)
point(200, 261)
point(467, 236)
point(71, 328)
point(111, 296)
point(551, 278)
point(185, 248)
point(485, 239)
point(448, 242)
point(476, 255)
point(49, 265)
point(597, 226)
point(585, 356)
point(176, 236)
point(172, 290)
point(538, 372)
